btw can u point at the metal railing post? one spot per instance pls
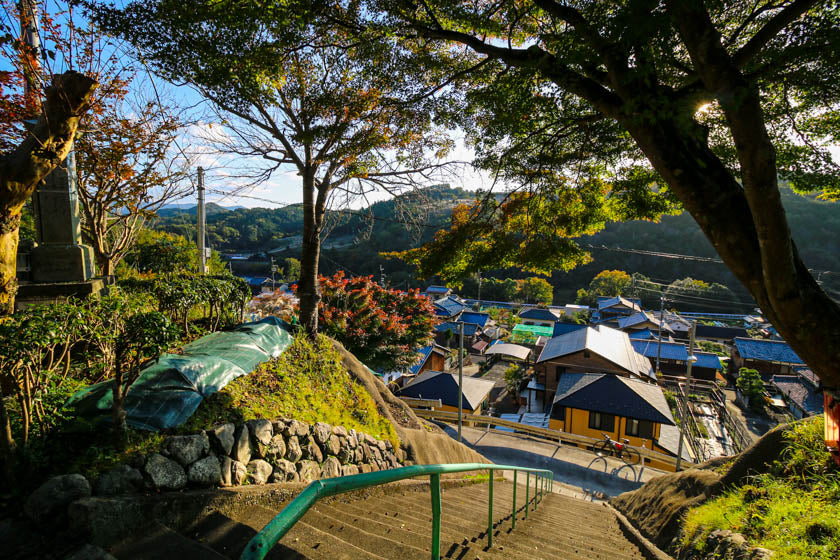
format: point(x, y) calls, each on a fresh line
point(490, 515)
point(513, 519)
point(527, 493)
point(435, 489)
point(536, 477)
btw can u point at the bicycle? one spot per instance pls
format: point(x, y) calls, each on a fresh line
point(623, 451)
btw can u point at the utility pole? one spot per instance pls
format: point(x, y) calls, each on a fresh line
point(460, 378)
point(661, 320)
point(690, 359)
point(479, 290)
point(202, 256)
point(273, 270)
point(29, 33)
point(381, 275)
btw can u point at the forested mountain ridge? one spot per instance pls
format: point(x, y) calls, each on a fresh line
point(357, 237)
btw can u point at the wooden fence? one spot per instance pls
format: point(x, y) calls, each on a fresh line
point(543, 433)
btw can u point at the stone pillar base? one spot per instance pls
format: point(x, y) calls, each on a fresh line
point(62, 263)
point(31, 293)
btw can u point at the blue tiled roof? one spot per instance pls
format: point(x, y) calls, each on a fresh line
point(563, 328)
point(423, 354)
point(539, 314)
point(448, 307)
point(479, 319)
point(469, 328)
point(675, 351)
point(766, 350)
point(643, 334)
point(604, 302)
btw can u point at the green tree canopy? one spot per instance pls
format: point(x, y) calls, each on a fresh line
point(602, 111)
point(608, 283)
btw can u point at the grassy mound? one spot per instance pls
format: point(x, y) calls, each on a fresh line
point(793, 509)
point(307, 382)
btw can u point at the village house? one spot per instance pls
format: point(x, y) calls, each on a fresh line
point(429, 357)
point(768, 357)
point(642, 321)
point(799, 392)
point(611, 308)
point(436, 292)
point(598, 349)
point(450, 308)
point(594, 404)
point(540, 316)
point(444, 386)
point(723, 335)
point(673, 357)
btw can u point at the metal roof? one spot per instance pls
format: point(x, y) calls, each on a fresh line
point(766, 350)
point(642, 334)
point(444, 386)
point(539, 314)
point(563, 328)
point(675, 351)
point(606, 302)
point(639, 318)
point(610, 344)
point(800, 392)
point(613, 394)
point(449, 306)
point(513, 350)
point(708, 331)
point(479, 319)
point(469, 328)
point(539, 330)
point(437, 290)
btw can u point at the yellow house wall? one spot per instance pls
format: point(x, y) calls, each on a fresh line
point(455, 409)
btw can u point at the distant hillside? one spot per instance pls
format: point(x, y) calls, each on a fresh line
point(355, 240)
point(211, 208)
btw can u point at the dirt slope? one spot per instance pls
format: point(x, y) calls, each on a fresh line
point(427, 442)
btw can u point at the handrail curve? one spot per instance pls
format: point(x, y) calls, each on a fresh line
point(283, 522)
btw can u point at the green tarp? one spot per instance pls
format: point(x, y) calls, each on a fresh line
point(168, 391)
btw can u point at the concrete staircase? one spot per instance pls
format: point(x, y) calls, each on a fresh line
point(399, 526)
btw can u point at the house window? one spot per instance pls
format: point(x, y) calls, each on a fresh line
point(599, 421)
point(639, 428)
point(559, 413)
point(587, 354)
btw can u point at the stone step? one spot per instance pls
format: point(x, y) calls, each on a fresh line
point(161, 542)
point(399, 526)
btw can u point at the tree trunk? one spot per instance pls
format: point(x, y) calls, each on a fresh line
point(8, 447)
point(46, 145)
point(308, 287)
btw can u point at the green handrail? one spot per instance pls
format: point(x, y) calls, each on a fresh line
point(283, 522)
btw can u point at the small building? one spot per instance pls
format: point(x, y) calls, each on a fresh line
point(450, 307)
point(437, 292)
point(448, 334)
point(723, 335)
point(429, 357)
point(673, 358)
point(768, 357)
point(483, 320)
point(642, 321)
point(799, 392)
point(570, 309)
point(593, 404)
point(598, 349)
point(444, 386)
point(610, 308)
point(541, 316)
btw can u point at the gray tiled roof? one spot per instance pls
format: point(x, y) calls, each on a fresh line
point(444, 386)
point(609, 343)
point(611, 394)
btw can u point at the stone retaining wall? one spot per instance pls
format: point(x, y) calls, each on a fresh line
point(254, 452)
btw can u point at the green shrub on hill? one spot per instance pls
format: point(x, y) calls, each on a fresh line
point(793, 510)
point(307, 382)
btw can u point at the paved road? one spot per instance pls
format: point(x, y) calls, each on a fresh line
point(582, 474)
